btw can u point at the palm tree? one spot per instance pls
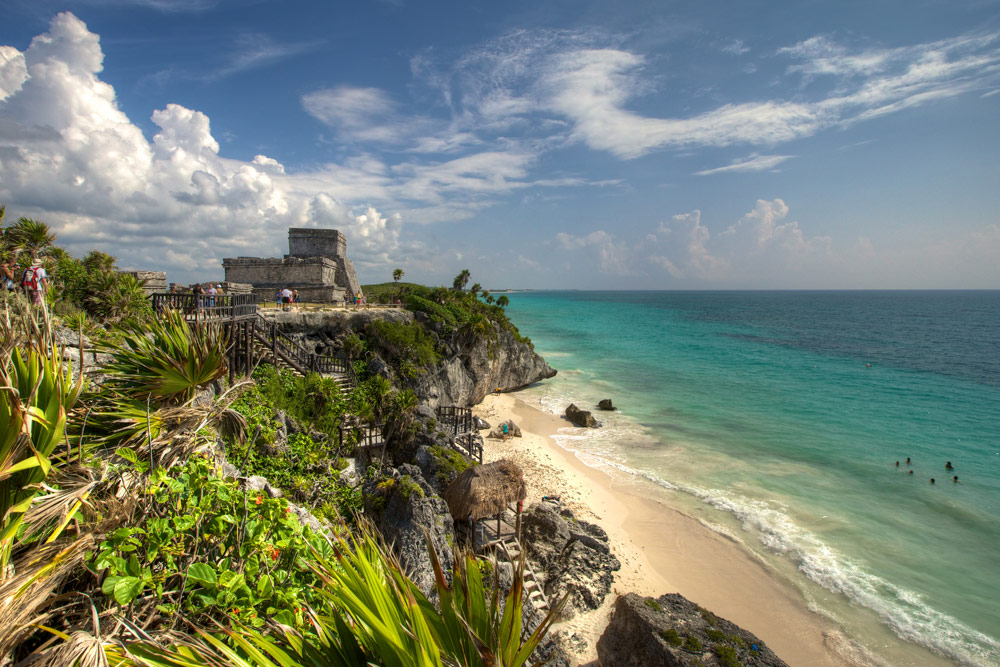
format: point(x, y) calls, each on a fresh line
point(32, 236)
point(503, 302)
point(461, 280)
point(397, 274)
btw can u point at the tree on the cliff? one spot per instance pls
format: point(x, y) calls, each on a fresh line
point(503, 302)
point(462, 279)
point(397, 274)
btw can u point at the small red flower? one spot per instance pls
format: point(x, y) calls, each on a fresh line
point(259, 500)
point(275, 553)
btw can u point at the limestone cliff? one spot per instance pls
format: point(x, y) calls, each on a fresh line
point(470, 366)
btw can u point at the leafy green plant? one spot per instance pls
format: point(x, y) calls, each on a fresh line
point(207, 549)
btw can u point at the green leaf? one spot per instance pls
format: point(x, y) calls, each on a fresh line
point(127, 454)
point(109, 585)
point(126, 589)
point(203, 573)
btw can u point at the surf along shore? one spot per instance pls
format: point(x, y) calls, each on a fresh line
point(663, 550)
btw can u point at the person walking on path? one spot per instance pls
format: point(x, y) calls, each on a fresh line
point(33, 281)
point(286, 298)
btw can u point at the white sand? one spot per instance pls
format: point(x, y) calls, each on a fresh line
point(661, 550)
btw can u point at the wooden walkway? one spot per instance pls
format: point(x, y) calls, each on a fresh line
point(462, 427)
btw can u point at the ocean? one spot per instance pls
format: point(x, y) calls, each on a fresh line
point(777, 418)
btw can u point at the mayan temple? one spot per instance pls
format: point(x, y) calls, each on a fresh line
point(316, 265)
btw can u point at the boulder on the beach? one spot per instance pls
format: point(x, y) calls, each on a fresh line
point(480, 423)
point(605, 404)
point(581, 417)
point(513, 431)
point(672, 630)
point(545, 534)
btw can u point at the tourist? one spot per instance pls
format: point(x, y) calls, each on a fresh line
point(210, 293)
point(932, 480)
point(277, 299)
point(949, 466)
point(504, 428)
point(295, 299)
point(955, 479)
point(7, 276)
point(199, 298)
point(33, 281)
point(286, 298)
point(347, 300)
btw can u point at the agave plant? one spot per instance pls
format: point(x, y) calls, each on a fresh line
point(166, 361)
point(35, 396)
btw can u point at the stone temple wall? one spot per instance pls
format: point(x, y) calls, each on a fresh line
point(153, 281)
point(291, 272)
point(304, 242)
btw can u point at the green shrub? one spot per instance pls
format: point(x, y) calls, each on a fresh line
point(715, 635)
point(692, 644)
point(448, 464)
point(727, 656)
point(209, 550)
point(672, 638)
point(409, 347)
point(409, 488)
point(653, 604)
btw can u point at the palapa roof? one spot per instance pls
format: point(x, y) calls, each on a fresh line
point(485, 490)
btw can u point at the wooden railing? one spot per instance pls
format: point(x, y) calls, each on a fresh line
point(367, 435)
point(458, 420)
point(470, 445)
point(207, 307)
point(297, 355)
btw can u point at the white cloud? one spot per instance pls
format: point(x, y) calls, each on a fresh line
point(12, 71)
point(753, 163)
point(613, 257)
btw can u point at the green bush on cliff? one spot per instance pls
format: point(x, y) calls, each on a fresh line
point(410, 347)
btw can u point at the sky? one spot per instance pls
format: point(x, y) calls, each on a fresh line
point(588, 145)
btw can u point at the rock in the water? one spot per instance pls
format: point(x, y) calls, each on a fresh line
point(513, 430)
point(581, 417)
point(605, 404)
point(673, 631)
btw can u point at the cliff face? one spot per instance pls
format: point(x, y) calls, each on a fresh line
point(471, 367)
point(475, 366)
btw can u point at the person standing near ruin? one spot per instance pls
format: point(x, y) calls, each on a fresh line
point(286, 298)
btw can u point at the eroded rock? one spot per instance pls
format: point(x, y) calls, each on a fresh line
point(581, 417)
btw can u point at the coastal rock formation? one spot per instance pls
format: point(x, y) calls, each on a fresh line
point(605, 404)
point(407, 513)
point(581, 417)
point(471, 368)
point(671, 630)
point(481, 424)
point(572, 557)
point(513, 430)
point(479, 366)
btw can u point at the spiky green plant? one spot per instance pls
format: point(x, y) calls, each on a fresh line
point(36, 393)
point(166, 360)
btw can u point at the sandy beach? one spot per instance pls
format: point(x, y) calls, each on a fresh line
point(663, 550)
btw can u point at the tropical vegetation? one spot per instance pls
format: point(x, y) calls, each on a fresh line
point(123, 540)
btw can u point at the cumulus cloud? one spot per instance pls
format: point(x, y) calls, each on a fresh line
point(612, 256)
point(69, 152)
point(684, 252)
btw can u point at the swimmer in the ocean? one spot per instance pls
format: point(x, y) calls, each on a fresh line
point(897, 464)
point(948, 466)
point(911, 472)
point(907, 460)
point(932, 480)
point(955, 479)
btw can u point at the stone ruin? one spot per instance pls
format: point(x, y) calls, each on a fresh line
point(316, 265)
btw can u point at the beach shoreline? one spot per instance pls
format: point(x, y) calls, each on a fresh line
point(662, 550)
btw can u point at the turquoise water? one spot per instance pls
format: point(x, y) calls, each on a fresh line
point(759, 412)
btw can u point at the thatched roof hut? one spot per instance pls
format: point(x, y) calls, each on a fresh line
point(485, 490)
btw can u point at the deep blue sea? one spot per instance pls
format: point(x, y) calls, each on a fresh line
point(778, 418)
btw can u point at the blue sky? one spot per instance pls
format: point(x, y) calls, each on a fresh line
point(592, 145)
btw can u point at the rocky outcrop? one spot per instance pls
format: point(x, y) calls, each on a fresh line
point(671, 630)
point(476, 367)
point(605, 404)
point(471, 368)
point(572, 557)
point(407, 513)
point(581, 417)
point(513, 430)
